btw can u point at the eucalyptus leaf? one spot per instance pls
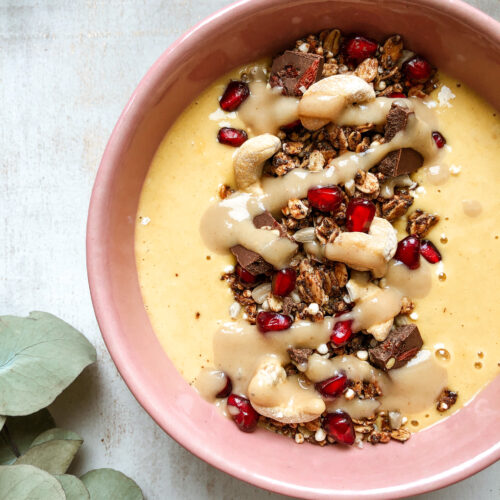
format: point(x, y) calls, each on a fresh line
point(52, 451)
point(20, 432)
point(2, 421)
point(39, 357)
point(73, 487)
point(25, 482)
point(55, 433)
point(109, 484)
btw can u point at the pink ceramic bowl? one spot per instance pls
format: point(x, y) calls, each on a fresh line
point(456, 38)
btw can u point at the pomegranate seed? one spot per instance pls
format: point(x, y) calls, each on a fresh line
point(232, 136)
point(396, 95)
point(326, 199)
point(224, 393)
point(332, 387)
point(408, 252)
point(339, 426)
point(236, 92)
point(272, 322)
point(429, 252)
point(284, 282)
point(438, 139)
point(246, 418)
point(244, 275)
point(358, 48)
point(359, 214)
point(291, 126)
point(417, 70)
point(342, 332)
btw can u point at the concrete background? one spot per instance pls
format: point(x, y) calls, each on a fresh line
point(66, 71)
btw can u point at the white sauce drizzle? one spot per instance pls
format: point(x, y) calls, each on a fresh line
point(240, 350)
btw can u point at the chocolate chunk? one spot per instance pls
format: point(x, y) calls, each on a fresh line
point(401, 161)
point(295, 71)
point(401, 345)
point(266, 220)
point(299, 355)
point(397, 120)
point(251, 261)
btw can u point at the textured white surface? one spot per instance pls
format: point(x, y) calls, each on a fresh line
point(67, 70)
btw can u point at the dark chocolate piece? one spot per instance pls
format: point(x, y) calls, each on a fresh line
point(295, 71)
point(401, 161)
point(265, 219)
point(251, 261)
point(397, 120)
point(299, 355)
point(398, 348)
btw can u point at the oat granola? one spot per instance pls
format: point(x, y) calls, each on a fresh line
point(314, 286)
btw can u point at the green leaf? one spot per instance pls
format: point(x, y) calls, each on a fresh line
point(73, 487)
point(21, 431)
point(24, 482)
point(52, 451)
point(2, 421)
point(39, 357)
point(109, 484)
point(55, 433)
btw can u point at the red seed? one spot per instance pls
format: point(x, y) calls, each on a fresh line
point(438, 139)
point(359, 214)
point(272, 322)
point(246, 418)
point(396, 95)
point(342, 332)
point(326, 199)
point(244, 275)
point(417, 70)
point(339, 425)
point(429, 252)
point(291, 126)
point(232, 136)
point(408, 252)
point(358, 48)
point(236, 92)
point(224, 393)
point(332, 387)
point(284, 282)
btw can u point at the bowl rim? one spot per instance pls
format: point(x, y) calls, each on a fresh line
point(100, 286)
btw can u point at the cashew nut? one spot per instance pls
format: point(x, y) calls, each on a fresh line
point(285, 399)
point(365, 252)
point(324, 101)
point(251, 156)
point(381, 330)
point(361, 290)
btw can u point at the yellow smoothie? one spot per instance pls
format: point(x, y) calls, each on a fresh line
point(180, 278)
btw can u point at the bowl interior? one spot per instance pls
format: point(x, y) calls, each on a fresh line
point(454, 37)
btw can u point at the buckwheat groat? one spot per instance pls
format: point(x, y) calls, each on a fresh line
point(293, 299)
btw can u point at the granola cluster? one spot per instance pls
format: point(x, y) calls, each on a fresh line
point(320, 287)
point(383, 69)
point(377, 429)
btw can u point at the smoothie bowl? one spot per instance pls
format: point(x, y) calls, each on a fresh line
point(294, 229)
